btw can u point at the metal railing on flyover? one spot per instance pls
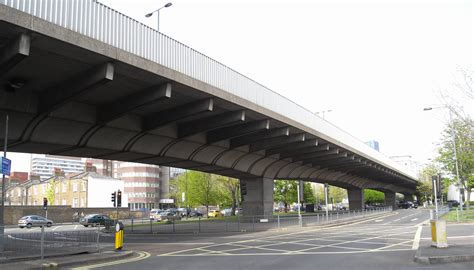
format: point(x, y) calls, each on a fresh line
point(102, 23)
point(245, 223)
point(39, 244)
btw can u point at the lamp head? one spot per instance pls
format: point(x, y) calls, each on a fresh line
point(149, 15)
point(427, 109)
point(169, 4)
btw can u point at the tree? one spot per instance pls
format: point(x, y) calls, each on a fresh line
point(308, 193)
point(425, 186)
point(232, 186)
point(464, 141)
point(337, 194)
point(373, 196)
point(51, 191)
point(285, 191)
point(204, 189)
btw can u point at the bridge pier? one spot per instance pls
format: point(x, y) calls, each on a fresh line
point(408, 197)
point(259, 198)
point(390, 199)
point(356, 198)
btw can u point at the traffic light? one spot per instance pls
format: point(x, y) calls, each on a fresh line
point(45, 202)
point(243, 189)
point(113, 198)
point(119, 198)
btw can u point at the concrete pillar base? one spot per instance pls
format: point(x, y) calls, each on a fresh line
point(356, 198)
point(259, 198)
point(390, 199)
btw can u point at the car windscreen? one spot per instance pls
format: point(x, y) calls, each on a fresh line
point(90, 216)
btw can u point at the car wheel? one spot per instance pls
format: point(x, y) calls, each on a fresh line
point(49, 224)
point(86, 226)
point(28, 225)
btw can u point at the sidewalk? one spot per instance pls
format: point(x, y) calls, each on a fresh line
point(62, 262)
point(460, 245)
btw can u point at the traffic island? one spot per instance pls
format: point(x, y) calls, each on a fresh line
point(455, 253)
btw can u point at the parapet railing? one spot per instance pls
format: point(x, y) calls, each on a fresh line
point(100, 22)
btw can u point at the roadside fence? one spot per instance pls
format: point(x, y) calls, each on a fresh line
point(245, 223)
point(50, 243)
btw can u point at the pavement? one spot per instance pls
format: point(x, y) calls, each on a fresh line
point(460, 248)
point(62, 262)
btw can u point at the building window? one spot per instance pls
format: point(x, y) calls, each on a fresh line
point(63, 202)
point(82, 202)
point(83, 186)
point(56, 189)
point(75, 202)
point(74, 187)
point(64, 187)
point(35, 191)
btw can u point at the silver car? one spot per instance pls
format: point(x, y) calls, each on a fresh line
point(34, 221)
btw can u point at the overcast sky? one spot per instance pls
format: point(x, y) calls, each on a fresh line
point(375, 64)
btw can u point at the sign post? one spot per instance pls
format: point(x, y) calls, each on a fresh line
point(6, 164)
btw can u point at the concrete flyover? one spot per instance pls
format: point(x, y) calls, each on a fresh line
point(83, 80)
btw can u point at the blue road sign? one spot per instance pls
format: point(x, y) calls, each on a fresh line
point(6, 166)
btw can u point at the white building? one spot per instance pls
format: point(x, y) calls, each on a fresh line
point(100, 189)
point(44, 165)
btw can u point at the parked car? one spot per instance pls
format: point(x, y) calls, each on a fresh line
point(170, 215)
point(226, 212)
point(155, 214)
point(195, 213)
point(214, 213)
point(407, 205)
point(453, 203)
point(96, 219)
point(34, 221)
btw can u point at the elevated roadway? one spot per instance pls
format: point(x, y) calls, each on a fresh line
point(84, 80)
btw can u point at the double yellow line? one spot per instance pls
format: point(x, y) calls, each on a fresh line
point(141, 256)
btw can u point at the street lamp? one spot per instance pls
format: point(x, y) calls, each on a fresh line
point(158, 15)
point(453, 137)
point(323, 112)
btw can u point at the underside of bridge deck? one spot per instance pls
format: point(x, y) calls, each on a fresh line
point(67, 94)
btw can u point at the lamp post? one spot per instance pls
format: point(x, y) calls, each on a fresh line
point(322, 113)
point(158, 14)
point(453, 137)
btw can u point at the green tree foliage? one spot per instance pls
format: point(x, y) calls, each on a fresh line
point(337, 194)
point(50, 191)
point(308, 193)
point(285, 191)
point(204, 189)
point(425, 186)
point(373, 196)
point(464, 138)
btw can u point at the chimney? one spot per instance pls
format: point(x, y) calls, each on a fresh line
point(89, 167)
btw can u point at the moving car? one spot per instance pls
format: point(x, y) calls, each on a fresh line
point(96, 219)
point(34, 221)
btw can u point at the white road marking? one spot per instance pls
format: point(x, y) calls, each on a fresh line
point(75, 227)
point(141, 256)
point(379, 220)
point(57, 227)
point(414, 219)
point(416, 240)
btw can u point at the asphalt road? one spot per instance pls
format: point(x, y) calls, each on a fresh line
point(54, 228)
point(388, 242)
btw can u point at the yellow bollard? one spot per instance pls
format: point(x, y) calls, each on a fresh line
point(119, 236)
point(438, 234)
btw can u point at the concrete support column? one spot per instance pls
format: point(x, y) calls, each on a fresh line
point(390, 199)
point(356, 198)
point(164, 183)
point(259, 198)
point(408, 197)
